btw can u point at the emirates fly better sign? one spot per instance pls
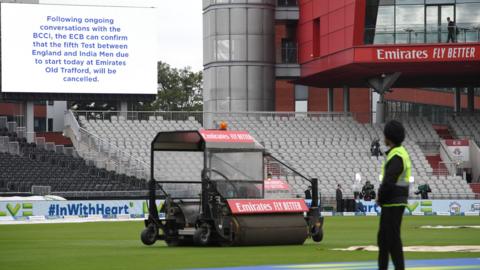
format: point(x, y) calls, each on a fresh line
point(440, 53)
point(246, 206)
point(418, 53)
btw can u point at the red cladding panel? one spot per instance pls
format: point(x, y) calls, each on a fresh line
point(336, 20)
point(306, 11)
point(336, 41)
point(317, 99)
point(320, 7)
point(360, 104)
point(324, 46)
point(40, 111)
point(338, 100)
point(335, 4)
point(350, 15)
point(284, 96)
point(359, 25)
point(349, 36)
point(305, 32)
point(324, 25)
point(306, 52)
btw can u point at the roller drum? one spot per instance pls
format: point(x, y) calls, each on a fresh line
point(270, 229)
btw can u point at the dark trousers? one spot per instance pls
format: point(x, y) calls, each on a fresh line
point(339, 205)
point(389, 242)
point(451, 37)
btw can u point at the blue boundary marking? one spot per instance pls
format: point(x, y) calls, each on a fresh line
point(441, 264)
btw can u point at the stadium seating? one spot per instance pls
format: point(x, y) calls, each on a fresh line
point(24, 165)
point(331, 149)
point(135, 136)
point(466, 126)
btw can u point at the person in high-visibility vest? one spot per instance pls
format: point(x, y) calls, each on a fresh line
point(393, 196)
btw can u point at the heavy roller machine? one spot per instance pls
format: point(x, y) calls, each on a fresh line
point(231, 209)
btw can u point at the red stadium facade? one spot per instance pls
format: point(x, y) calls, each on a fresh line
point(343, 48)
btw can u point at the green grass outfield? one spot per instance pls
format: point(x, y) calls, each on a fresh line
point(116, 245)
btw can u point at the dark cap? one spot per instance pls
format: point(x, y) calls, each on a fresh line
point(394, 132)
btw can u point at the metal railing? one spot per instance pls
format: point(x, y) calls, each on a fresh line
point(106, 155)
point(102, 153)
point(207, 119)
point(140, 115)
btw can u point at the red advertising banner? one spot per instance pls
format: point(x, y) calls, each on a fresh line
point(247, 206)
point(276, 184)
point(457, 142)
point(425, 53)
point(226, 136)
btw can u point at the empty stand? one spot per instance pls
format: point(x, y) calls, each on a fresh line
point(24, 165)
point(333, 149)
point(134, 138)
point(466, 126)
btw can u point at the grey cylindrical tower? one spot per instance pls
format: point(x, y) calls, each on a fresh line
point(238, 55)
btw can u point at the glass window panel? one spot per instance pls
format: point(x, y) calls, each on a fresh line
point(255, 48)
point(269, 48)
point(223, 105)
point(238, 76)
point(268, 18)
point(223, 84)
point(410, 19)
point(468, 13)
point(384, 29)
point(255, 82)
point(239, 48)
point(223, 48)
point(386, 16)
point(206, 3)
point(222, 22)
point(432, 27)
point(209, 49)
point(445, 12)
point(238, 21)
point(209, 24)
point(255, 21)
point(468, 21)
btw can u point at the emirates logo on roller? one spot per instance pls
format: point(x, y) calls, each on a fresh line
point(267, 206)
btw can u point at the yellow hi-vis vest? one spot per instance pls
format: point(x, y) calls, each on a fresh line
point(404, 178)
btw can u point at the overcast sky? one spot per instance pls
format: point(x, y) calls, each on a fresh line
point(179, 27)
